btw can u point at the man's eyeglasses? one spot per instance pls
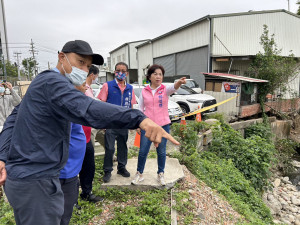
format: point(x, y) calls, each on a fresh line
point(122, 71)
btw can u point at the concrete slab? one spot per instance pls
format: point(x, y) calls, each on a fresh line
point(173, 173)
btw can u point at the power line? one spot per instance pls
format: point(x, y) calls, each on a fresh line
point(51, 49)
point(16, 43)
point(43, 50)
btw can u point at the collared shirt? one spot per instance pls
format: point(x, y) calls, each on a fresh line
point(89, 91)
point(104, 92)
point(35, 139)
point(169, 88)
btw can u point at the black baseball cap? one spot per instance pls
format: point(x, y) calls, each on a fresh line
point(82, 48)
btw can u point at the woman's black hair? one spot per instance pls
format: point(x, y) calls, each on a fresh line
point(93, 70)
point(152, 70)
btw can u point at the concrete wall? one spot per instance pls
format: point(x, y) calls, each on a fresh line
point(280, 128)
point(280, 105)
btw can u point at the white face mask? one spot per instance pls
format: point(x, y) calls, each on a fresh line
point(77, 76)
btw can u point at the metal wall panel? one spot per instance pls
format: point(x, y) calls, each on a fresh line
point(230, 108)
point(145, 58)
point(241, 34)
point(238, 67)
point(292, 88)
point(192, 63)
point(195, 36)
point(168, 62)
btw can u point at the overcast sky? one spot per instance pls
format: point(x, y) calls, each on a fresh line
point(107, 24)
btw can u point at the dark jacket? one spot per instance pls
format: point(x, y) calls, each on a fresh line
point(35, 137)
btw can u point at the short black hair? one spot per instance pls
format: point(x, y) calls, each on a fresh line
point(93, 69)
point(152, 70)
point(121, 63)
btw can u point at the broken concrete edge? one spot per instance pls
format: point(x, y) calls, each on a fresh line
point(140, 187)
point(173, 210)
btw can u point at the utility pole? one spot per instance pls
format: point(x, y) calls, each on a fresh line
point(288, 5)
point(28, 69)
point(18, 64)
point(48, 65)
point(32, 50)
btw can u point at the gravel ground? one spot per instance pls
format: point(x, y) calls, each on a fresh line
point(210, 207)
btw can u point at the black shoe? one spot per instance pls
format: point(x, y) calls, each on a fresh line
point(92, 198)
point(78, 207)
point(123, 172)
point(106, 177)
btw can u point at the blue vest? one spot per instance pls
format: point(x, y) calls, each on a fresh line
point(115, 95)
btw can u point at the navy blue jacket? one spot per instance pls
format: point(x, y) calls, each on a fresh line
point(76, 152)
point(35, 139)
point(115, 95)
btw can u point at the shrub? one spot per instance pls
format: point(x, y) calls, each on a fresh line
point(285, 149)
point(260, 129)
point(223, 176)
point(252, 156)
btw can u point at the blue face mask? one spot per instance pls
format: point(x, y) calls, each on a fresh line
point(2, 90)
point(77, 76)
point(120, 76)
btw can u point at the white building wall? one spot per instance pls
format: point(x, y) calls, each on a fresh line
point(195, 36)
point(120, 55)
point(133, 54)
point(241, 34)
point(145, 58)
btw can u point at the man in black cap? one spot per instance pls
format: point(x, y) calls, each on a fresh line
point(35, 138)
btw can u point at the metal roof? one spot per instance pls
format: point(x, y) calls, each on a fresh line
point(127, 43)
point(209, 17)
point(235, 77)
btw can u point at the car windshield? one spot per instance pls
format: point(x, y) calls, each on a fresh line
point(184, 90)
point(191, 84)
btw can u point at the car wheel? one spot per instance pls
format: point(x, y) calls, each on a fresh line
point(184, 108)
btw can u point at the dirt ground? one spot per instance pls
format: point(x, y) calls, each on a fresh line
point(210, 207)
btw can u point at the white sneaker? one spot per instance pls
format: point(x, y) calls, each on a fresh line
point(161, 179)
point(138, 178)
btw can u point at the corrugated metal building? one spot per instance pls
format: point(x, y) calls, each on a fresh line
point(220, 43)
point(126, 53)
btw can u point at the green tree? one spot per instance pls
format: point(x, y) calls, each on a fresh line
point(298, 11)
point(271, 66)
point(28, 64)
point(11, 69)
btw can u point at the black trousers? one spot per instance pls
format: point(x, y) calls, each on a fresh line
point(70, 188)
point(121, 135)
point(87, 173)
point(35, 201)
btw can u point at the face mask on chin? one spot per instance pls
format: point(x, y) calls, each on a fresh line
point(94, 81)
point(77, 76)
point(120, 76)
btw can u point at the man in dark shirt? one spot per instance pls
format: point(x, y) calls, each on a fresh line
point(35, 138)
